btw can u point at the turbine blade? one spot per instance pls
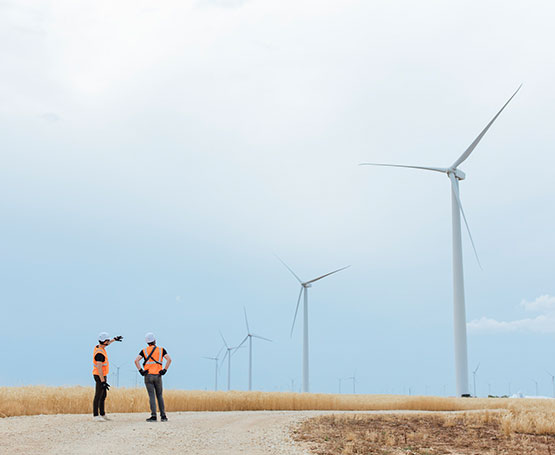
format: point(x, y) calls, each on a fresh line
point(241, 344)
point(219, 352)
point(262, 338)
point(457, 196)
point(223, 358)
point(296, 310)
point(472, 146)
point(289, 268)
point(478, 366)
point(246, 320)
point(210, 358)
point(221, 334)
point(425, 168)
point(327, 274)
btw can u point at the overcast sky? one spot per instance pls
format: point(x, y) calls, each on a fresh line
point(157, 155)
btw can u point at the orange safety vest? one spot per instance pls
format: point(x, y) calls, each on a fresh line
point(105, 364)
point(154, 364)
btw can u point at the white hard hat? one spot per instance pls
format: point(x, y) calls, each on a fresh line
point(149, 337)
point(103, 336)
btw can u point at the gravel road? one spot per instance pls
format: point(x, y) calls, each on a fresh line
point(192, 433)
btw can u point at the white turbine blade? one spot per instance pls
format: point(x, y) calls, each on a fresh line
point(241, 344)
point(477, 368)
point(425, 168)
point(289, 268)
point(327, 274)
point(210, 358)
point(296, 310)
point(223, 358)
point(455, 190)
point(221, 334)
point(472, 146)
point(246, 320)
point(262, 338)
point(219, 352)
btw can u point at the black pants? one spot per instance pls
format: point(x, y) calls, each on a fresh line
point(99, 397)
point(153, 383)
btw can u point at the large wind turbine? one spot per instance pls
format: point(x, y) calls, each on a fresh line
point(304, 289)
point(455, 174)
point(250, 336)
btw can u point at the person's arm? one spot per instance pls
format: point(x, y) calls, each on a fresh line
point(168, 361)
point(137, 364)
point(100, 372)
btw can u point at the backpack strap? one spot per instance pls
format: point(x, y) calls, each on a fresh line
point(150, 355)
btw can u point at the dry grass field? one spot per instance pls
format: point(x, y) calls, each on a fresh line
point(33, 400)
point(511, 432)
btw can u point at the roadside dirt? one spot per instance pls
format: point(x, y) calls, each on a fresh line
point(191, 433)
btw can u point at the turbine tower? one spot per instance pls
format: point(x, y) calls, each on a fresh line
point(250, 336)
point(455, 175)
point(304, 289)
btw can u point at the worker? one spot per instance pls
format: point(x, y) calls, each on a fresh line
point(101, 368)
point(153, 370)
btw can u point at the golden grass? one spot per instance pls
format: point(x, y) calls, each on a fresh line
point(508, 432)
point(32, 400)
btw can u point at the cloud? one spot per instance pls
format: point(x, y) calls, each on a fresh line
point(50, 117)
point(543, 323)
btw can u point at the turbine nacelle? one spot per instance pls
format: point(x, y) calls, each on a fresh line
point(459, 175)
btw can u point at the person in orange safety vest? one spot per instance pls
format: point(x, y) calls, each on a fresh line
point(153, 369)
point(101, 368)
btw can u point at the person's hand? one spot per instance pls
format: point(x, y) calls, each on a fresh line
point(163, 372)
point(118, 338)
point(143, 372)
point(106, 386)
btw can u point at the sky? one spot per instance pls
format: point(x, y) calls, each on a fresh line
point(157, 156)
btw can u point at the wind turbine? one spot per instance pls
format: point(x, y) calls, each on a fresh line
point(474, 376)
point(352, 378)
point(304, 289)
point(216, 360)
point(228, 354)
point(250, 336)
point(455, 175)
point(552, 381)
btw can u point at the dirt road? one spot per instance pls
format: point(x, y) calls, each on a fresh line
point(192, 433)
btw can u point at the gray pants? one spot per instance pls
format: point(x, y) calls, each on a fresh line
point(153, 383)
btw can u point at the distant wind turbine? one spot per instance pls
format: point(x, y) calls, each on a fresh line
point(455, 175)
point(250, 336)
point(552, 381)
point(304, 289)
point(353, 378)
point(474, 376)
point(216, 360)
point(228, 354)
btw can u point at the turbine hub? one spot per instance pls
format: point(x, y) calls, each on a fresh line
point(459, 175)
point(307, 285)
